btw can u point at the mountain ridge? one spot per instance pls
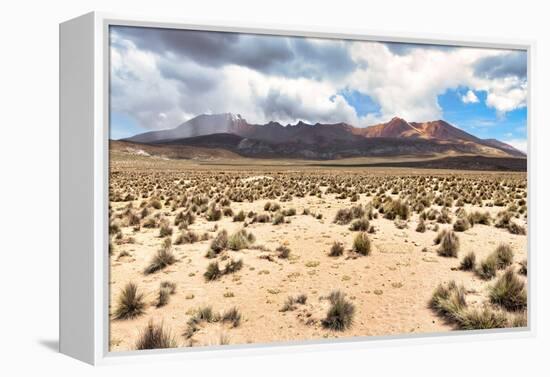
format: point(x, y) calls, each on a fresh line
point(332, 140)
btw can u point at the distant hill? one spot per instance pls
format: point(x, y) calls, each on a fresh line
point(325, 141)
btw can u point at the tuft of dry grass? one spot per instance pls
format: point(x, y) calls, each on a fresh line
point(340, 314)
point(154, 336)
point(449, 244)
point(468, 263)
point(362, 244)
point(336, 250)
point(509, 292)
point(130, 303)
point(283, 251)
point(162, 259)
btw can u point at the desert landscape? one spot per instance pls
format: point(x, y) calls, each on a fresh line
point(231, 250)
point(273, 188)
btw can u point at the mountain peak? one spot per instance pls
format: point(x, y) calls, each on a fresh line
point(437, 134)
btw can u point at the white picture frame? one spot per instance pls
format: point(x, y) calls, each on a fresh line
point(84, 119)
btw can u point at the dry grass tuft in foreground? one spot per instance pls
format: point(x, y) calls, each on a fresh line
point(130, 303)
point(362, 244)
point(509, 292)
point(155, 337)
point(340, 314)
point(449, 244)
point(162, 259)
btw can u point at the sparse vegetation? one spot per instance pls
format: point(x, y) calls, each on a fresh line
point(191, 206)
point(130, 303)
point(362, 244)
point(468, 263)
point(336, 250)
point(154, 336)
point(340, 314)
point(240, 240)
point(509, 292)
point(449, 244)
point(283, 251)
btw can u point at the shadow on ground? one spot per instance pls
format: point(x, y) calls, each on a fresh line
point(52, 345)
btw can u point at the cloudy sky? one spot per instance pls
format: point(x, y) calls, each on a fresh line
point(163, 77)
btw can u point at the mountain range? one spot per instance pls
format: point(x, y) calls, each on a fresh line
point(325, 141)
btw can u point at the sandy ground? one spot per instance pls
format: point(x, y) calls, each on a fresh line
point(390, 288)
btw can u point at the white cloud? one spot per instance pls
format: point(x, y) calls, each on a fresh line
point(409, 85)
point(520, 144)
point(469, 97)
point(163, 90)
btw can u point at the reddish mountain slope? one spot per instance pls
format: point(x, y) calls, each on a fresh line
point(396, 137)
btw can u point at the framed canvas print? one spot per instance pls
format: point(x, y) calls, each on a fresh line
point(239, 190)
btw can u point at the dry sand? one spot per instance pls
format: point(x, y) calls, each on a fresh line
point(390, 288)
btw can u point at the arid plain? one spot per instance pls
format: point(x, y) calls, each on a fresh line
point(206, 254)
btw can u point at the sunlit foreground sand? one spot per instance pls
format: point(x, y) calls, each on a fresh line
point(389, 291)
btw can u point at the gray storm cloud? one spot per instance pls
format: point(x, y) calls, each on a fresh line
point(162, 77)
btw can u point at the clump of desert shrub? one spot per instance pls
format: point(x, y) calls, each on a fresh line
point(468, 263)
point(444, 216)
point(213, 214)
point(421, 227)
point(232, 316)
point(291, 302)
point(362, 244)
point(515, 228)
point(273, 207)
point(509, 292)
point(239, 217)
point(240, 240)
point(523, 267)
point(162, 259)
point(461, 224)
point(227, 211)
point(203, 314)
point(486, 318)
point(278, 218)
point(400, 224)
point(166, 289)
point(233, 266)
point(289, 212)
point(449, 300)
point(165, 230)
point(283, 251)
point(155, 203)
point(262, 218)
point(393, 209)
point(336, 250)
point(185, 237)
point(360, 225)
point(519, 320)
point(503, 219)
point(345, 215)
point(479, 218)
point(186, 218)
point(218, 244)
point(155, 337)
point(130, 303)
point(133, 219)
point(340, 314)
point(150, 222)
point(487, 269)
point(213, 271)
point(504, 256)
point(449, 244)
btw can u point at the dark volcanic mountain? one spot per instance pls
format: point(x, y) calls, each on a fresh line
point(325, 141)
